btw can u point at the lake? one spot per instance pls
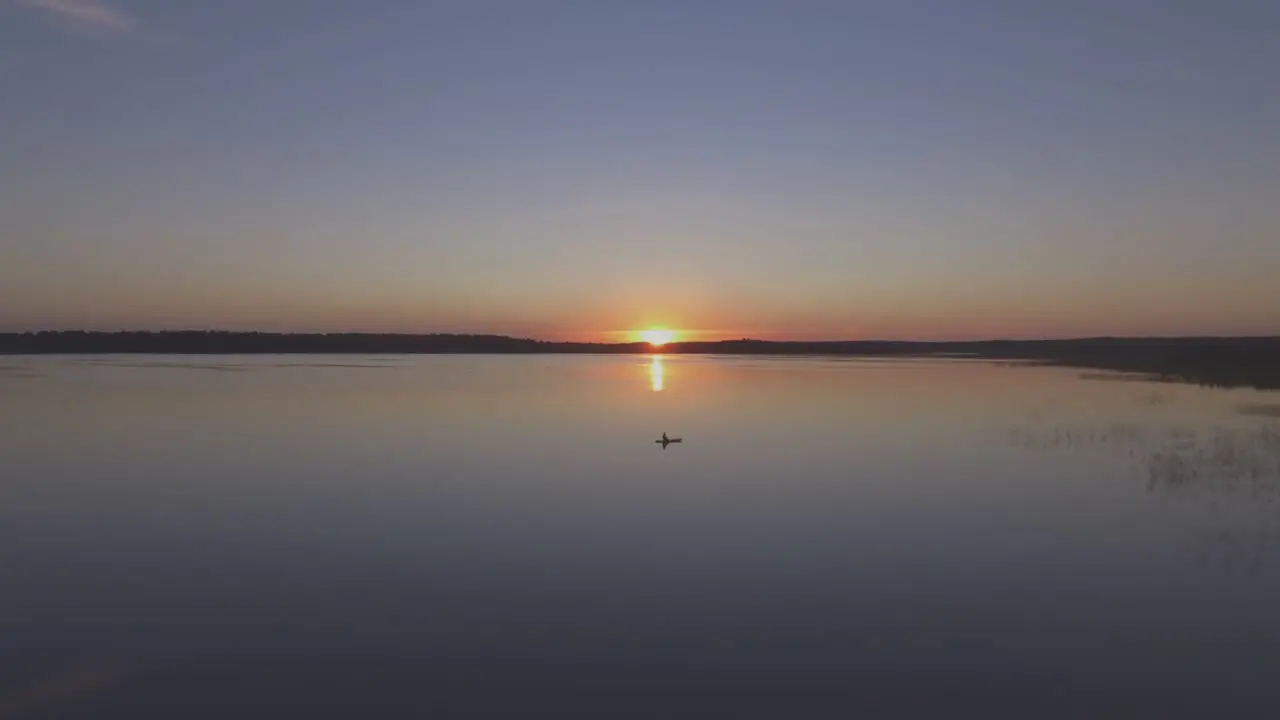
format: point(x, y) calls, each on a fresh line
point(458, 536)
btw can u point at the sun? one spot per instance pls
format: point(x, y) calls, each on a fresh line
point(657, 337)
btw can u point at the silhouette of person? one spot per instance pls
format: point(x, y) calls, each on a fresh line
point(664, 438)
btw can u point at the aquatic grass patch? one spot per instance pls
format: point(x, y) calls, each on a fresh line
point(1267, 410)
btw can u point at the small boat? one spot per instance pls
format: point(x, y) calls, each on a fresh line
point(665, 441)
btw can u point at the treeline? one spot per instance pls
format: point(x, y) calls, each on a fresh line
point(1220, 362)
point(1226, 362)
point(198, 342)
point(225, 342)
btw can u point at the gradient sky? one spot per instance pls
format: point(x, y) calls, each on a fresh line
point(565, 169)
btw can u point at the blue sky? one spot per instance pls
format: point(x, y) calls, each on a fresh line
point(572, 169)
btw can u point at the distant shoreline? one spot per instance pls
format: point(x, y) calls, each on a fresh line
point(1216, 361)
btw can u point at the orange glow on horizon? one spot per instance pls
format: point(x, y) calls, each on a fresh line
point(657, 337)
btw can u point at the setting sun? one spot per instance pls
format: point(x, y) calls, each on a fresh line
point(657, 337)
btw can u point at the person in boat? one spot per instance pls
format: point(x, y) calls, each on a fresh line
point(664, 438)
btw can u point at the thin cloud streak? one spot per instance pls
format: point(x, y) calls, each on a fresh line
point(86, 14)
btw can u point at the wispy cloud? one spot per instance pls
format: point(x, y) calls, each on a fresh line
point(86, 14)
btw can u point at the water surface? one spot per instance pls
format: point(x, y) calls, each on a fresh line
point(225, 536)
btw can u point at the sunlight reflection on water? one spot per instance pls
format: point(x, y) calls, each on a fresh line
point(655, 373)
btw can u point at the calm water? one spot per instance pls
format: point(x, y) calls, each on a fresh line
point(386, 536)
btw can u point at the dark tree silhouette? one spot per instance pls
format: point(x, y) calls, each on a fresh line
point(1223, 362)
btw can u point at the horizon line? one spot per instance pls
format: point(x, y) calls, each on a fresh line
point(1068, 338)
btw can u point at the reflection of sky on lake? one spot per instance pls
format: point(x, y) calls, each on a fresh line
point(864, 534)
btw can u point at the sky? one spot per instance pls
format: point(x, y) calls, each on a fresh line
point(930, 169)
